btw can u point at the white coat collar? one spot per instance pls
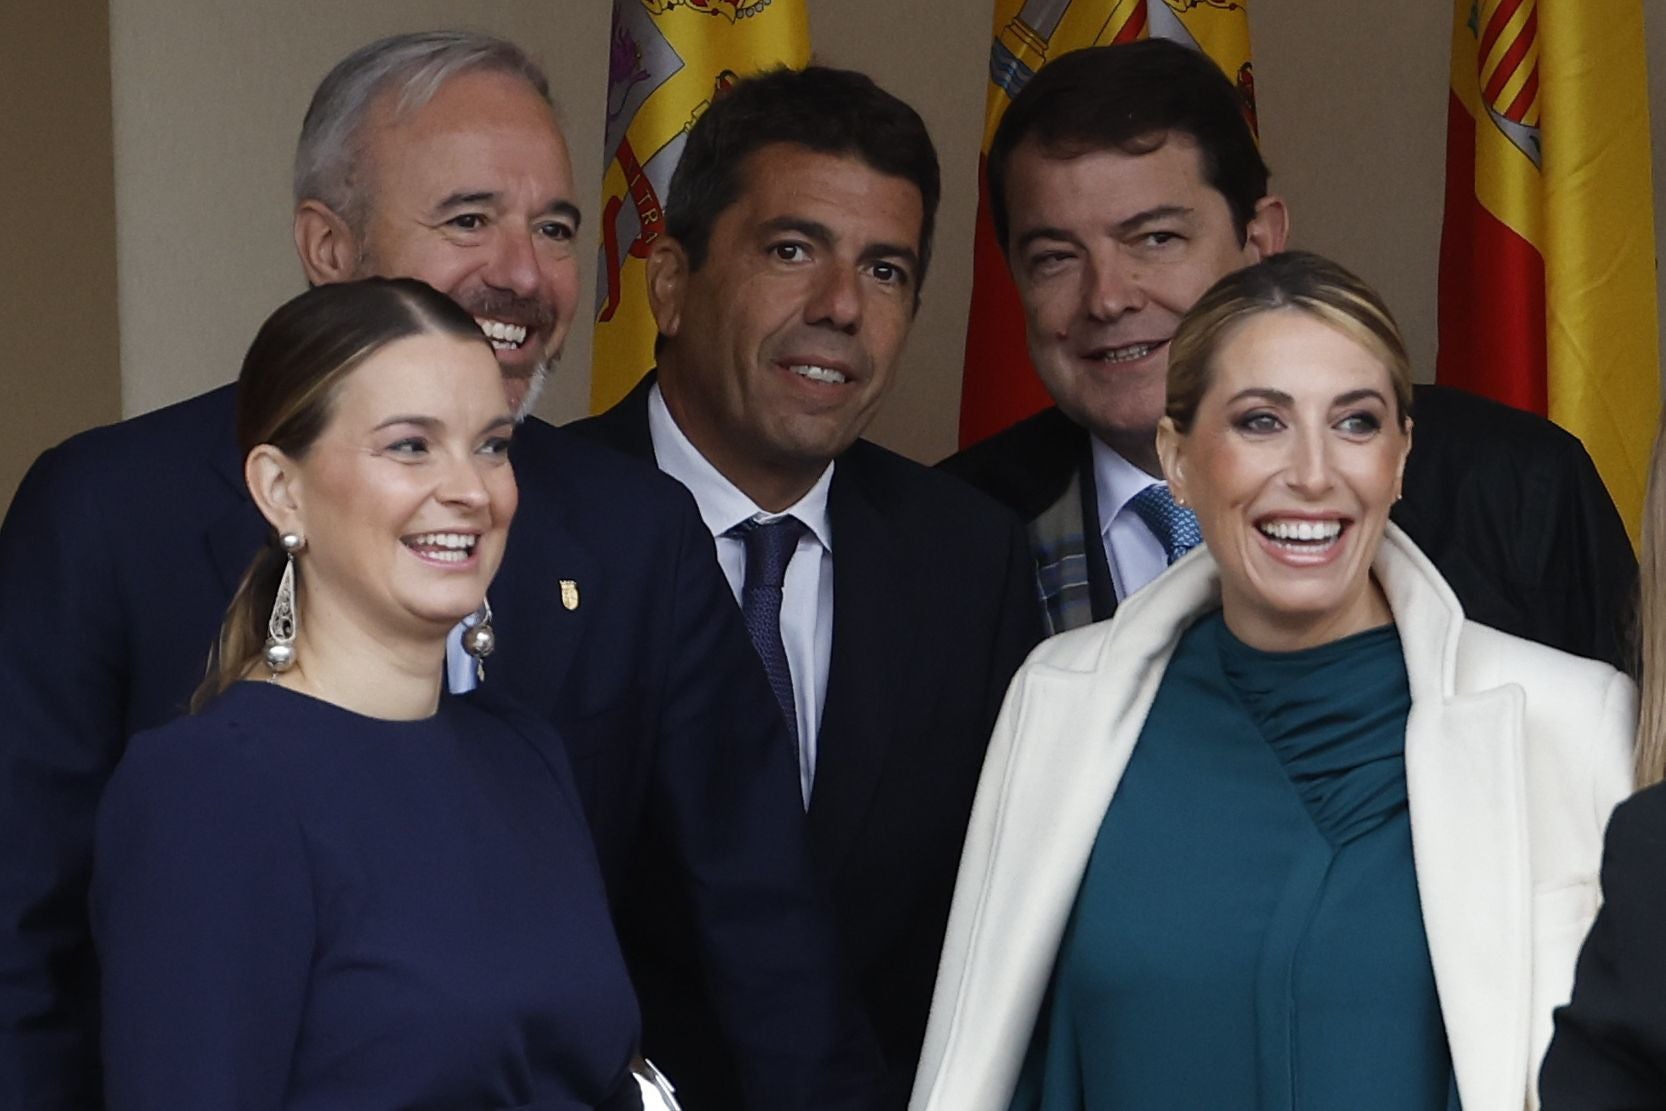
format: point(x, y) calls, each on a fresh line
point(1465, 779)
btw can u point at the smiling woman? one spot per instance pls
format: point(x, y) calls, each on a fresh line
point(1189, 879)
point(330, 884)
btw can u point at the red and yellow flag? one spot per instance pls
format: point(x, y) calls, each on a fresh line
point(999, 386)
point(1547, 294)
point(668, 58)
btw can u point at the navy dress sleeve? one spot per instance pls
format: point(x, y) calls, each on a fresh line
point(202, 910)
point(1609, 1049)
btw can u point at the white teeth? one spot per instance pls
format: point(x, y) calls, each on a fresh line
point(1127, 354)
point(1302, 530)
point(501, 334)
point(449, 547)
point(818, 373)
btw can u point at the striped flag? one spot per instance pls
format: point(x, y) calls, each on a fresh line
point(1547, 294)
point(668, 58)
point(999, 386)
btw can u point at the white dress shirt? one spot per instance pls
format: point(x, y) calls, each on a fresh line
point(1133, 551)
point(806, 592)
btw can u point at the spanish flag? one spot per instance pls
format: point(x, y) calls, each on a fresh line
point(999, 386)
point(668, 59)
point(1547, 294)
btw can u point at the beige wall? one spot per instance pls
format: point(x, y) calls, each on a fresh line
point(208, 98)
point(58, 275)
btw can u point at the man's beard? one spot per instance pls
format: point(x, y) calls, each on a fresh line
point(535, 384)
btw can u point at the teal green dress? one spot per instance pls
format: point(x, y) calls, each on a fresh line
point(1248, 932)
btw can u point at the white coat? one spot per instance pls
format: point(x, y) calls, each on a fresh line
point(1515, 756)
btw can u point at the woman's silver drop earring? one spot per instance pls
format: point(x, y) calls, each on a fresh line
point(280, 627)
point(479, 640)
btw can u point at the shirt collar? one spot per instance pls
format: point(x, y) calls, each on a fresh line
point(721, 503)
point(1116, 481)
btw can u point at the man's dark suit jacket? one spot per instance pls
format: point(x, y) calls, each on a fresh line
point(1609, 1051)
point(1507, 505)
point(934, 609)
point(117, 559)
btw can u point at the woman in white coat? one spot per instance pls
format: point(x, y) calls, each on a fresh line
point(1288, 832)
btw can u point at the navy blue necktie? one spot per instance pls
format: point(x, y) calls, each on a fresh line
point(769, 548)
point(1173, 525)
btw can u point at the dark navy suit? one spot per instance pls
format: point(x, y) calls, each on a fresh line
point(934, 609)
point(117, 558)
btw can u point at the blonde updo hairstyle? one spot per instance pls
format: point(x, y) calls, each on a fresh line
point(1297, 280)
point(285, 396)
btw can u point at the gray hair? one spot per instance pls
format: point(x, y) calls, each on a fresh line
point(414, 65)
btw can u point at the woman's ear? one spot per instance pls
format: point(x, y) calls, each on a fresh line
point(1171, 452)
point(1400, 471)
point(274, 484)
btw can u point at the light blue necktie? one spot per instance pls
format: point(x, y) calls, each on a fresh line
point(1173, 525)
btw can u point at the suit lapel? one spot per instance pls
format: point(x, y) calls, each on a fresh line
point(1101, 590)
point(538, 632)
point(874, 631)
point(1466, 782)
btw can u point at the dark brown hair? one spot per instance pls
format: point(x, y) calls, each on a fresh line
point(1133, 97)
point(829, 111)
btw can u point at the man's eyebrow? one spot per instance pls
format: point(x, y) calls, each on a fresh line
point(803, 225)
point(1049, 232)
point(567, 209)
point(1151, 215)
point(466, 198)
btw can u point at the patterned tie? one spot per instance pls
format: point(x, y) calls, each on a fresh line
point(1173, 525)
point(769, 547)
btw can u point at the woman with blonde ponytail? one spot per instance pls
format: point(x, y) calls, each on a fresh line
point(1610, 1046)
point(333, 885)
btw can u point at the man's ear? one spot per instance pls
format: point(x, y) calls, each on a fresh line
point(1268, 229)
point(329, 250)
point(1169, 445)
point(667, 284)
point(274, 484)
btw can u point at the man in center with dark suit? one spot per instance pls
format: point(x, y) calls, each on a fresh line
point(1123, 182)
point(890, 604)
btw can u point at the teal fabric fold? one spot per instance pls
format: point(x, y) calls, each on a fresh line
point(1248, 932)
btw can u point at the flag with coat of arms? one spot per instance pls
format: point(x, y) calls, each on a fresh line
point(667, 60)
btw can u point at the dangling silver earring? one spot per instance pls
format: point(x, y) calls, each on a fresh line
point(479, 639)
point(280, 627)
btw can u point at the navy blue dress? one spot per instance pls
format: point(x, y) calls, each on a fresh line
point(1248, 933)
point(296, 906)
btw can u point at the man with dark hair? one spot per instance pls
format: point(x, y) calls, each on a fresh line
point(436, 156)
point(889, 603)
point(1124, 181)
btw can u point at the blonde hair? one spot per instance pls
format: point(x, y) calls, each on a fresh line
point(1292, 280)
point(1651, 623)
